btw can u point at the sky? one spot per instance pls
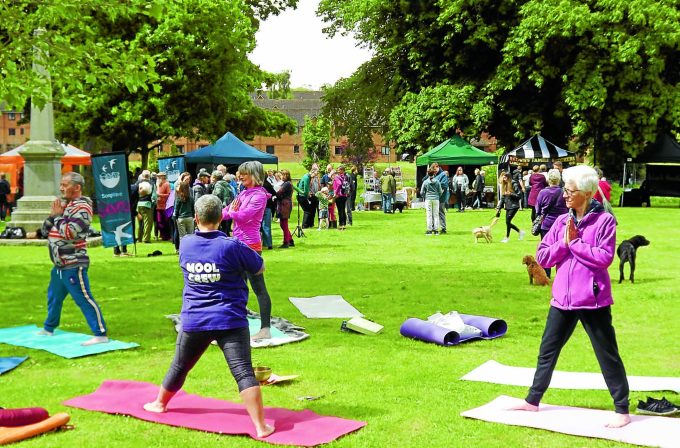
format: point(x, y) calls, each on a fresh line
point(293, 41)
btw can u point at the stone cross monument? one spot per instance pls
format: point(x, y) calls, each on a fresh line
point(42, 160)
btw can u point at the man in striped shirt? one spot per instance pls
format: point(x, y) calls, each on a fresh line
point(66, 229)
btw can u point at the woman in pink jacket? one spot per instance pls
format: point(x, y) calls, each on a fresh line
point(581, 244)
point(247, 211)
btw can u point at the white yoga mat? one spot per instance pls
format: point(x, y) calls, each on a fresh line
point(495, 372)
point(323, 307)
point(642, 430)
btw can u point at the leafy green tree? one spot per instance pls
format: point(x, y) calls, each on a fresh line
point(605, 72)
point(203, 86)
point(278, 85)
point(316, 136)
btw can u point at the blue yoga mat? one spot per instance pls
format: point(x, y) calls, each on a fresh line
point(7, 364)
point(254, 327)
point(63, 343)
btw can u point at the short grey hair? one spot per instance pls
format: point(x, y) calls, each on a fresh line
point(254, 169)
point(74, 178)
point(584, 177)
point(208, 209)
point(554, 176)
point(217, 174)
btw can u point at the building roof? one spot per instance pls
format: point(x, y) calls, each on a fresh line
point(303, 103)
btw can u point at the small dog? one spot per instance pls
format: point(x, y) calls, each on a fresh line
point(536, 272)
point(484, 231)
point(626, 252)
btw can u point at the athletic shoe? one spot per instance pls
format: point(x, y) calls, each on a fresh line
point(436, 233)
point(443, 231)
point(504, 240)
point(664, 402)
point(655, 407)
point(521, 234)
point(429, 232)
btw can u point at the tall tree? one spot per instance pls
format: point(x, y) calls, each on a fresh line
point(315, 139)
point(603, 71)
point(203, 88)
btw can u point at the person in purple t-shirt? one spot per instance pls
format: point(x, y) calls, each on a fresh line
point(214, 309)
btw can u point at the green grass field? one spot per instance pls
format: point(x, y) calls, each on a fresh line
point(409, 392)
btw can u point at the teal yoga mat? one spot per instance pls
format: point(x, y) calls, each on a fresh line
point(254, 327)
point(7, 364)
point(63, 343)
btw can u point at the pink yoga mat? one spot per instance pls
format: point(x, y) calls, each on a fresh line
point(642, 430)
point(303, 428)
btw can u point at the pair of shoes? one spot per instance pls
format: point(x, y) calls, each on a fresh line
point(656, 407)
point(284, 246)
point(521, 234)
point(429, 232)
point(504, 240)
point(443, 231)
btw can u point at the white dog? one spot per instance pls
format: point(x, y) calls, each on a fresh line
point(484, 231)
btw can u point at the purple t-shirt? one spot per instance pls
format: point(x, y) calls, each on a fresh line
point(215, 291)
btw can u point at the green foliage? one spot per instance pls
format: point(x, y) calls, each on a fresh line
point(409, 392)
point(606, 72)
point(315, 138)
point(278, 85)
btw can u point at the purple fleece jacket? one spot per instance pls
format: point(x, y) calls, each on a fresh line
point(250, 205)
point(582, 280)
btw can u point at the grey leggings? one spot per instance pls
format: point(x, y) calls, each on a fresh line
point(235, 345)
point(263, 299)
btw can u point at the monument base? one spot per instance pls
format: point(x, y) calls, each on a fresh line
point(31, 212)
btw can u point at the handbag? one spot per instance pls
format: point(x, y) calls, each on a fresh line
point(536, 225)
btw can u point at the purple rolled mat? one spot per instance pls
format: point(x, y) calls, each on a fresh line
point(491, 327)
point(429, 332)
point(22, 416)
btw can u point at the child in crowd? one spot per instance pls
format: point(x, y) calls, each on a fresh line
point(323, 198)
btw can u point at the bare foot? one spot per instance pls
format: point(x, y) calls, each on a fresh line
point(619, 421)
point(156, 407)
point(264, 333)
point(266, 431)
point(522, 406)
point(96, 340)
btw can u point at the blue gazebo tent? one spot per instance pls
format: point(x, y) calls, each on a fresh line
point(229, 150)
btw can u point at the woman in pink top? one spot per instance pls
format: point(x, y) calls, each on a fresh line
point(537, 182)
point(341, 195)
point(163, 192)
point(247, 211)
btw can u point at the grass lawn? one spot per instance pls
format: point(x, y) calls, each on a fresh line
point(409, 392)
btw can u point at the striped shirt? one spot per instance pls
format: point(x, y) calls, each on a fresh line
point(66, 234)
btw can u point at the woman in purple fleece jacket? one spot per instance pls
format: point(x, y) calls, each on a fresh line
point(247, 211)
point(581, 244)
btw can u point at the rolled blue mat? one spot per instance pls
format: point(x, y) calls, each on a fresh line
point(427, 331)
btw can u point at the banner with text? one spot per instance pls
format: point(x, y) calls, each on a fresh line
point(173, 167)
point(112, 193)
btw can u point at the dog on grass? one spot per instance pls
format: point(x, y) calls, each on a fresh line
point(626, 252)
point(484, 231)
point(536, 272)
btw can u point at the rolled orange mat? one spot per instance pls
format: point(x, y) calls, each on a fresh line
point(10, 435)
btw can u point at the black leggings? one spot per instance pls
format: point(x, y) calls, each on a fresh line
point(598, 325)
point(341, 202)
point(263, 299)
point(509, 214)
point(235, 345)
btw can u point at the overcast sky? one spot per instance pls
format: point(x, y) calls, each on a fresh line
point(293, 41)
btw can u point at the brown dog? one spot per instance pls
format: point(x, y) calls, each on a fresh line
point(536, 273)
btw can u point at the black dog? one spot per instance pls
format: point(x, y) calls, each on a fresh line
point(626, 253)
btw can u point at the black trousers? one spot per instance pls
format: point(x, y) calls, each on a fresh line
point(305, 206)
point(509, 214)
point(341, 203)
point(559, 327)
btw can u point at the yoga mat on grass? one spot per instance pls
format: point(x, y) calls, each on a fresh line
point(325, 307)
point(495, 372)
point(303, 428)
point(7, 364)
point(282, 331)
point(429, 332)
point(62, 343)
point(642, 430)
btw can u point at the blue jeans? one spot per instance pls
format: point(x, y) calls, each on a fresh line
point(266, 228)
point(75, 282)
point(387, 202)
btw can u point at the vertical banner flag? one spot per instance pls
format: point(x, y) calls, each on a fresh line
point(173, 167)
point(110, 172)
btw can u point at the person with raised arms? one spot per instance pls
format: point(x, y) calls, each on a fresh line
point(214, 303)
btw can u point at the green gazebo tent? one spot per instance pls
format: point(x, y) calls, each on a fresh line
point(456, 151)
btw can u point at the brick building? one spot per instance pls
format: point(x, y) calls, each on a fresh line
point(12, 134)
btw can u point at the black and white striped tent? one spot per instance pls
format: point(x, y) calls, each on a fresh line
point(536, 150)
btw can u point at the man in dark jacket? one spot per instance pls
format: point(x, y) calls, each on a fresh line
point(4, 191)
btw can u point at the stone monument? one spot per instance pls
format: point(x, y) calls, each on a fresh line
point(42, 160)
